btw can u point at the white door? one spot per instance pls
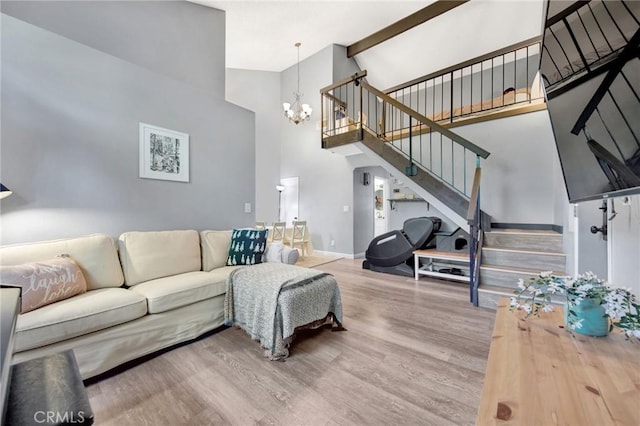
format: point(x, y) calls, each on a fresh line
point(380, 209)
point(289, 201)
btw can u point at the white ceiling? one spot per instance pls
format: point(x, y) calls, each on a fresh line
point(260, 35)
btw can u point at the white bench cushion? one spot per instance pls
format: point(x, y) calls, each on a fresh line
point(149, 255)
point(164, 294)
point(82, 314)
point(95, 254)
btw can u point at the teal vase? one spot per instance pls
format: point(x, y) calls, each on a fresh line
point(594, 323)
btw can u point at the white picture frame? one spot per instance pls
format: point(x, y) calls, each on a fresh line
point(164, 153)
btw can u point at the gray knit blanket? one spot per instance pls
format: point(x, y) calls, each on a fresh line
point(270, 300)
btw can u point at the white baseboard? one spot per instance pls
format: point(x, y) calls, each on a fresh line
point(333, 253)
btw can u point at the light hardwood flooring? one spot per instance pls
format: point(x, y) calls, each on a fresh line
point(414, 353)
point(314, 260)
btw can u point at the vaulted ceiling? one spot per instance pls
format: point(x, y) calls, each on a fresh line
point(260, 35)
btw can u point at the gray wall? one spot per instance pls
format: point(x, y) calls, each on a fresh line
point(342, 66)
point(363, 207)
point(70, 116)
point(259, 91)
point(519, 178)
point(182, 40)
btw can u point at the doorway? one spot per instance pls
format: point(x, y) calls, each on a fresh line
point(380, 210)
point(289, 200)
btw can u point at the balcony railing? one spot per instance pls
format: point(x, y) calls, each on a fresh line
point(498, 80)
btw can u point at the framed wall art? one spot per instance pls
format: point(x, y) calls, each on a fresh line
point(164, 153)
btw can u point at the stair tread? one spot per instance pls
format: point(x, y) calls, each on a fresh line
point(515, 269)
point(489, 288)
point(528, 251)
point(537, 232)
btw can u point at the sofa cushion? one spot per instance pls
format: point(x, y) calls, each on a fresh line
point(279, 253)
point(290, 255)
point(247, 246)
point(149, 255)
point(273, 253)
point(82, 314)
point(215, 249)
point(95, 254)
point(45, 282)
point(164, 294)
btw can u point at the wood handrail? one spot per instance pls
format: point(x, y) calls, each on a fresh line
point(344, 81)
point(432, 124)
point(473, 201)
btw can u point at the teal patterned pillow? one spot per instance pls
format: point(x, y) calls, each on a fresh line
point(247, 246)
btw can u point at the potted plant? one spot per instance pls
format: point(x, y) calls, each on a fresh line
point(592, 307)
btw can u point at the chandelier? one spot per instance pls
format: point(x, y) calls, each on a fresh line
point(298, 111)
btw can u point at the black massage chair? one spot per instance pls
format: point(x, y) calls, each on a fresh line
point(392, 252)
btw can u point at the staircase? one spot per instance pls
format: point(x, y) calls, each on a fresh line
point(408, 129)
point(512, 254)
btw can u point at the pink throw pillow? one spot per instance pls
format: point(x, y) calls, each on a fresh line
point(45, 282)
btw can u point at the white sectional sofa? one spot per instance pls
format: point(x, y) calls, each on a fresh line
point(151, 291)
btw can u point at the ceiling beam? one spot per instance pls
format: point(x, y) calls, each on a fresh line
point(413, 20)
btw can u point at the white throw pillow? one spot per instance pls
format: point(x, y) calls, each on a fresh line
point(274, 252)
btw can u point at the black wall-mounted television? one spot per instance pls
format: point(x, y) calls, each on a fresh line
point(591, 71)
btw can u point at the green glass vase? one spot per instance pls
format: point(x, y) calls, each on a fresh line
point(592, 314)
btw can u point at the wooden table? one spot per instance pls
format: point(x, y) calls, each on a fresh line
point(540, 374)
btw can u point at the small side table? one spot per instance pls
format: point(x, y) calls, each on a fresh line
point(48, 391)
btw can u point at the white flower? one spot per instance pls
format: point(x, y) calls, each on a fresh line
point(527, 307)
point(514, 302)
point(577, 324)
point(547, 308)
point(521, 285)
point(554, 287)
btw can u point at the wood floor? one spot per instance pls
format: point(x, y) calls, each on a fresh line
point(414, 353)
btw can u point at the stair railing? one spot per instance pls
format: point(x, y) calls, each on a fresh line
point(352, 106)
point(427, 144)
point(476, 234)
